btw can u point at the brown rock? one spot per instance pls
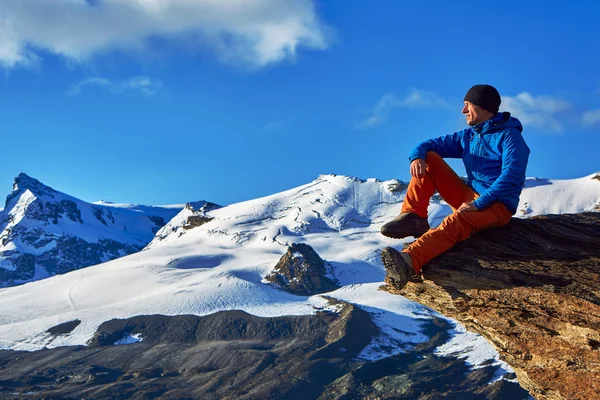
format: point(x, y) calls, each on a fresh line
point(199, 216)
point(301, 271)
point(194, 221)
point(532, 289)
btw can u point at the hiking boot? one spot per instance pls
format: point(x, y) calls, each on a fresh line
point(405, 224)
point(398, 266)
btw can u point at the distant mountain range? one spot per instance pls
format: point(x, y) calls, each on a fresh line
point(44, 232)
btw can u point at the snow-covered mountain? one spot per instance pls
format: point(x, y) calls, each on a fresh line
point(44, 232)
point(221, 264)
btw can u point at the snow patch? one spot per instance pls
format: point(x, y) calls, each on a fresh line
point(399, 320)
point(129, 339)
point(474, 350)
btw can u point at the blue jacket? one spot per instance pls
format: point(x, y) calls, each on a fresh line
point(495, 157)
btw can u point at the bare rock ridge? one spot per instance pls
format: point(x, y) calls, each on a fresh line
point(234, 355)
point(199, 216)
point(193, 215)
point(532, 289)
point(301, 271)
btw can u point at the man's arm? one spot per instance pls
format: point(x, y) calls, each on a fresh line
point(449, 146)
point(515, 155)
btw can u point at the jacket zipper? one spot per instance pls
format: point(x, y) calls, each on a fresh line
point(477, 148)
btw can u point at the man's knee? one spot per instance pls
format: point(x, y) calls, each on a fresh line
point(432, 156)
point(458, 222)
point(456, 218)
point(435, 162)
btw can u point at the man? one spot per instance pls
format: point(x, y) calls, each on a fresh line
point(495, 157)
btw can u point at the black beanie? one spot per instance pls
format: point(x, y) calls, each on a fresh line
point(485, 96)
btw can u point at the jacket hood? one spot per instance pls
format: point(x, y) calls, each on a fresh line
point(499, 121)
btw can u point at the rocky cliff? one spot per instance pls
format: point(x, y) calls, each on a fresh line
point(532, 289)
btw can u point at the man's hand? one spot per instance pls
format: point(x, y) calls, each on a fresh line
point(417, 168)
point(468, 206)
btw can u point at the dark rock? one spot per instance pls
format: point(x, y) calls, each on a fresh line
point(230, 325)
point(194, 221)
point(73, 253)
point(24, 267)
point(158, 221)
point(339, 342)
point(24, 182)
point(98, 375)
point(397, 186)
point(64, 328)
point(301, 271)
point(530, 288)
point(99, 214)
point(419, 374)
point(234, 355)
point(70, 253)
point(199, 217)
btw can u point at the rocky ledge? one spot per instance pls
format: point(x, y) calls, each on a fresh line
point(532, 289)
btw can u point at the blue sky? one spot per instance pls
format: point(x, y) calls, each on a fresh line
point(156, 102)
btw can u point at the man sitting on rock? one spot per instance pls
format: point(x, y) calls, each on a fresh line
point(495, 157)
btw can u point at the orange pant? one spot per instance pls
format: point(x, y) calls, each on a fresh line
point(456, 227)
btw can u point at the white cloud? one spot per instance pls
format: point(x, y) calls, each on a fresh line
point(144, 84)
point(591, 118)
point(389, 102)
point(249, 32)
point(539, 111)
point(274, 126)
point(76, 88)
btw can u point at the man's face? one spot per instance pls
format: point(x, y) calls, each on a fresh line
point(475, 114)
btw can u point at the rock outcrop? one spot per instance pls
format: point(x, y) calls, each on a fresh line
point(532, 289)
point(199, 216)
point(301, 271)
point(235, 355)
point(193, 215)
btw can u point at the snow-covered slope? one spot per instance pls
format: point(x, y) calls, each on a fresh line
point(44, 232)
point(220, 265)
point(544, 196)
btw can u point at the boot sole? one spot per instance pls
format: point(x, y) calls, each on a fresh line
point(389, 261)
point(402, 237)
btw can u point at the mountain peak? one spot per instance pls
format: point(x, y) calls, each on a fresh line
point(23, 182)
